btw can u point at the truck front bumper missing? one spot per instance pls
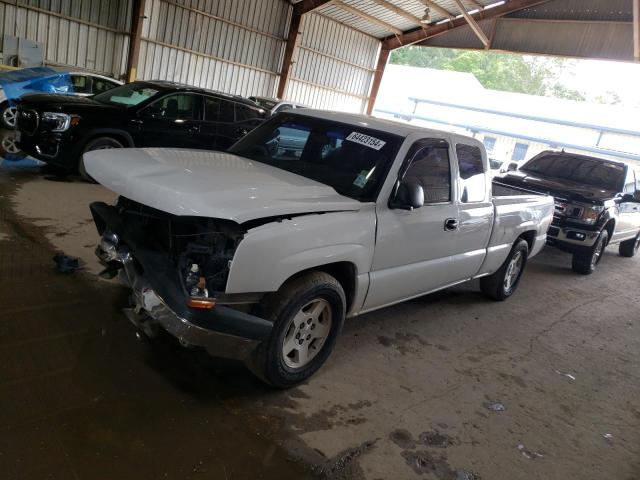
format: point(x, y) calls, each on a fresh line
point(160, 302)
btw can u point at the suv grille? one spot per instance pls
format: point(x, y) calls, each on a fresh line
point(28, 121)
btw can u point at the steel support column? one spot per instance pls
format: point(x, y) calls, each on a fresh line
point(137, 17)
point(636, 30)
point(292, 38)
point(383, 58)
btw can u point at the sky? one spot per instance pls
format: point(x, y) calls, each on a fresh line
point(597, 77)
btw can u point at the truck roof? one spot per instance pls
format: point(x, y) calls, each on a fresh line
point(390, 126)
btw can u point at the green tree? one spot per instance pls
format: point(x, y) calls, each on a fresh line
point(496, 71)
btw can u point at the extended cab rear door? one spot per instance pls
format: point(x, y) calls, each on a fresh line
point(475, 208)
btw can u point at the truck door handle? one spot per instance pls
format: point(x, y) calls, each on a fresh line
point(451, 224)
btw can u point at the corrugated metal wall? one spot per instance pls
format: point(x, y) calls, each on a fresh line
point(235, 46)
point(88, 34)
point(333, 65)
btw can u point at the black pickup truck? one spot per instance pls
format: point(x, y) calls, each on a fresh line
point(597, 203)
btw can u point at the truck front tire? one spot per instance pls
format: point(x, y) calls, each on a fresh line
point(504, 282)
point(307, 314)
point(586, 263)
point(630, 247)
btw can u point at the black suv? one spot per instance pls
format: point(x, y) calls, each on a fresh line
point(58, 129)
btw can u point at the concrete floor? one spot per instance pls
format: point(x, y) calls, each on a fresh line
point(406, 394)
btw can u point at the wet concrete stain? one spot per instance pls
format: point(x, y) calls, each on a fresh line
point(403, 439)
point(423, 462)
point(405, 343)
point(344, 466)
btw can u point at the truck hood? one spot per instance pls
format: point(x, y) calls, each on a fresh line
point(562, 189)
point(210, 184)
point(67, 103)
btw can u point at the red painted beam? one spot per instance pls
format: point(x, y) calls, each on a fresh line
point(418, 35)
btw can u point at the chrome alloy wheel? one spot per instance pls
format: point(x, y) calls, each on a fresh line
point(307, 333)
point(9, 116)
point(513, 271)
point(597, 253)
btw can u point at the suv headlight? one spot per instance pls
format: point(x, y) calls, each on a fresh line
point(59, 121)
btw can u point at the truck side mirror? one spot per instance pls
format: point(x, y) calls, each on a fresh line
point(513, 166)
point(631, 197)
point(408, 196)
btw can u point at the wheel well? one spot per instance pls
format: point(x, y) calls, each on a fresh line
point(610, 227)
point(529, 237)
point(115, 135)
point(343, 272)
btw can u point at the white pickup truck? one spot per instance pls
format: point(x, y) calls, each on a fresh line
point(261, 252)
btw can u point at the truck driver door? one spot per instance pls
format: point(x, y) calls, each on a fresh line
point(414, 248)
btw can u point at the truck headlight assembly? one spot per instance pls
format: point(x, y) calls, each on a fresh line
point(60, 121)
point(590, 214)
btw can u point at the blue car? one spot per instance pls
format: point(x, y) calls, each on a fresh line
point(17, 83)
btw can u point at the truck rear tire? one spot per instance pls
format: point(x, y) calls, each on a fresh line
point(630, 247)
point(307, 314)
point(586, 263)
point(100, 143)
point(504, 282)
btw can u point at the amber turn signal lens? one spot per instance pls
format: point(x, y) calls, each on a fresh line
point(201, 303)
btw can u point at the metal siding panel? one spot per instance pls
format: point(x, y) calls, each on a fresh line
point(332, 66)
point(226, 45)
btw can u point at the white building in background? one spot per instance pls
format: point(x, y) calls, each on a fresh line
point(513, 126)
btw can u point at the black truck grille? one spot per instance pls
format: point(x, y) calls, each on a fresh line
point(28, 121)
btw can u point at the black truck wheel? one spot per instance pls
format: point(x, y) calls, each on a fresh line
point(585, 263)
point(630, 247)
point(504, 282)
point(100, 143)
point(308, 313)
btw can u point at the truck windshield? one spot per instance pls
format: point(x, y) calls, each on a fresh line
point(352, 159)
point(588, 171)
point(128, 95)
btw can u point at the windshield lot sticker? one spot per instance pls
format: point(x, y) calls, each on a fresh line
point(366, 140)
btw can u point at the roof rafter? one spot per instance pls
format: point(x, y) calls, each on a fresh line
point(420, 34)
point(434, 6)
point(397, 10)
point(472, 23)
point(371, 19)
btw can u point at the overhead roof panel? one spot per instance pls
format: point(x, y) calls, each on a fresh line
point(353, 21)
point(580, 10)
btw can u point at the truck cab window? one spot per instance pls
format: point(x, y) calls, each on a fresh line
point(429, 167)
point(472, 175)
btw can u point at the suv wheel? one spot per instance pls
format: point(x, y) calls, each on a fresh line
point(504, 282)
point(585, 263)
point(100, 143)
point(630, 247)
point(8, 116)
point(307, 315)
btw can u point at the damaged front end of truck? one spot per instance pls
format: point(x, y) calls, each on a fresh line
point(177, 268)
